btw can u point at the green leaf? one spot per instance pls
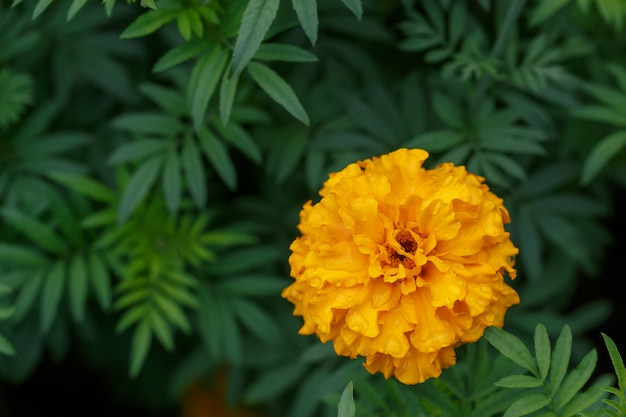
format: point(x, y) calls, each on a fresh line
point(179, 54)
point(100, 280)
point(560, 358)
point(617, 361)
point(204, 78)
point(527, 404)
point(272, 382)
point(278, 90)
point(245, 259)
point(148, 123)
point(256, 320)
point(542, 350)
point(6, 348)
point(39, 233)
point(355, 7)
point(169, 99)
point(306, 10)
point(238, 137)
point(519, 381)
point(148, 23)
point(283, 52)
point(436, 140)
point(194, 172)
point(131, 316)
point(346, 407)
point(172, 311)
point(20, 255)
point(75, 8)
point(172, 188)
point(256, 21)
point(219, 158)
point(589, 398)
point(161, 329)
point(228, 89)
point(140, 346)
point(138, 187)
point(78, 287)
point(601, 153)
point(27, 295)
point(577, 378)
point(84, 185)
point(40, 7)
point(511, 347)
point(138, 150)
point(51, 295)
point(448, 111)
point(253, 285)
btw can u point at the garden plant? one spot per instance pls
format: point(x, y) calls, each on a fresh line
point(312, 208)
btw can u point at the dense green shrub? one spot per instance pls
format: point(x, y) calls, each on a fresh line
point(153, 161)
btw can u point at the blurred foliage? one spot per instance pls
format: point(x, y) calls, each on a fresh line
point(153, 161)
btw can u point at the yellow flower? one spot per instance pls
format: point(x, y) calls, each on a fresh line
point(400, 264)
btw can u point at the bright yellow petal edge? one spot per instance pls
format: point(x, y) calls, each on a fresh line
point(400, 264)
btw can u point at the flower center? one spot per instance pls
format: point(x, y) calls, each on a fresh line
point(408, 245)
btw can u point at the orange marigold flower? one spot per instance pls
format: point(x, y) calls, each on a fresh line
point(400, 264)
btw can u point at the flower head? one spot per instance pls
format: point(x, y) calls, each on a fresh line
point(400, 264)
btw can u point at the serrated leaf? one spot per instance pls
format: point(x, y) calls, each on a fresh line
point(519, 381)
point(194, 172)
point(219, 158)
point(560, 358)
point(256, 21)
point(306, 10)
point(617, 361)
point(601, 153)
point(205, 75)
point(172, 189)
point(41, 234)
point(53, 285)
point(148, 23)
point(278, 90)
point(137, 188)
point(283, 52)
point(346, 407)
point(78, 287)
point(140, 346)
point(577, 378)
point(527, 404)
point(511, 347)
point(542, 350)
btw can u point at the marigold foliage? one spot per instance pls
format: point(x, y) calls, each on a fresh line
point(401, 264)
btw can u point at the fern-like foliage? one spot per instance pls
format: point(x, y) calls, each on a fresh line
point(17, 94)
